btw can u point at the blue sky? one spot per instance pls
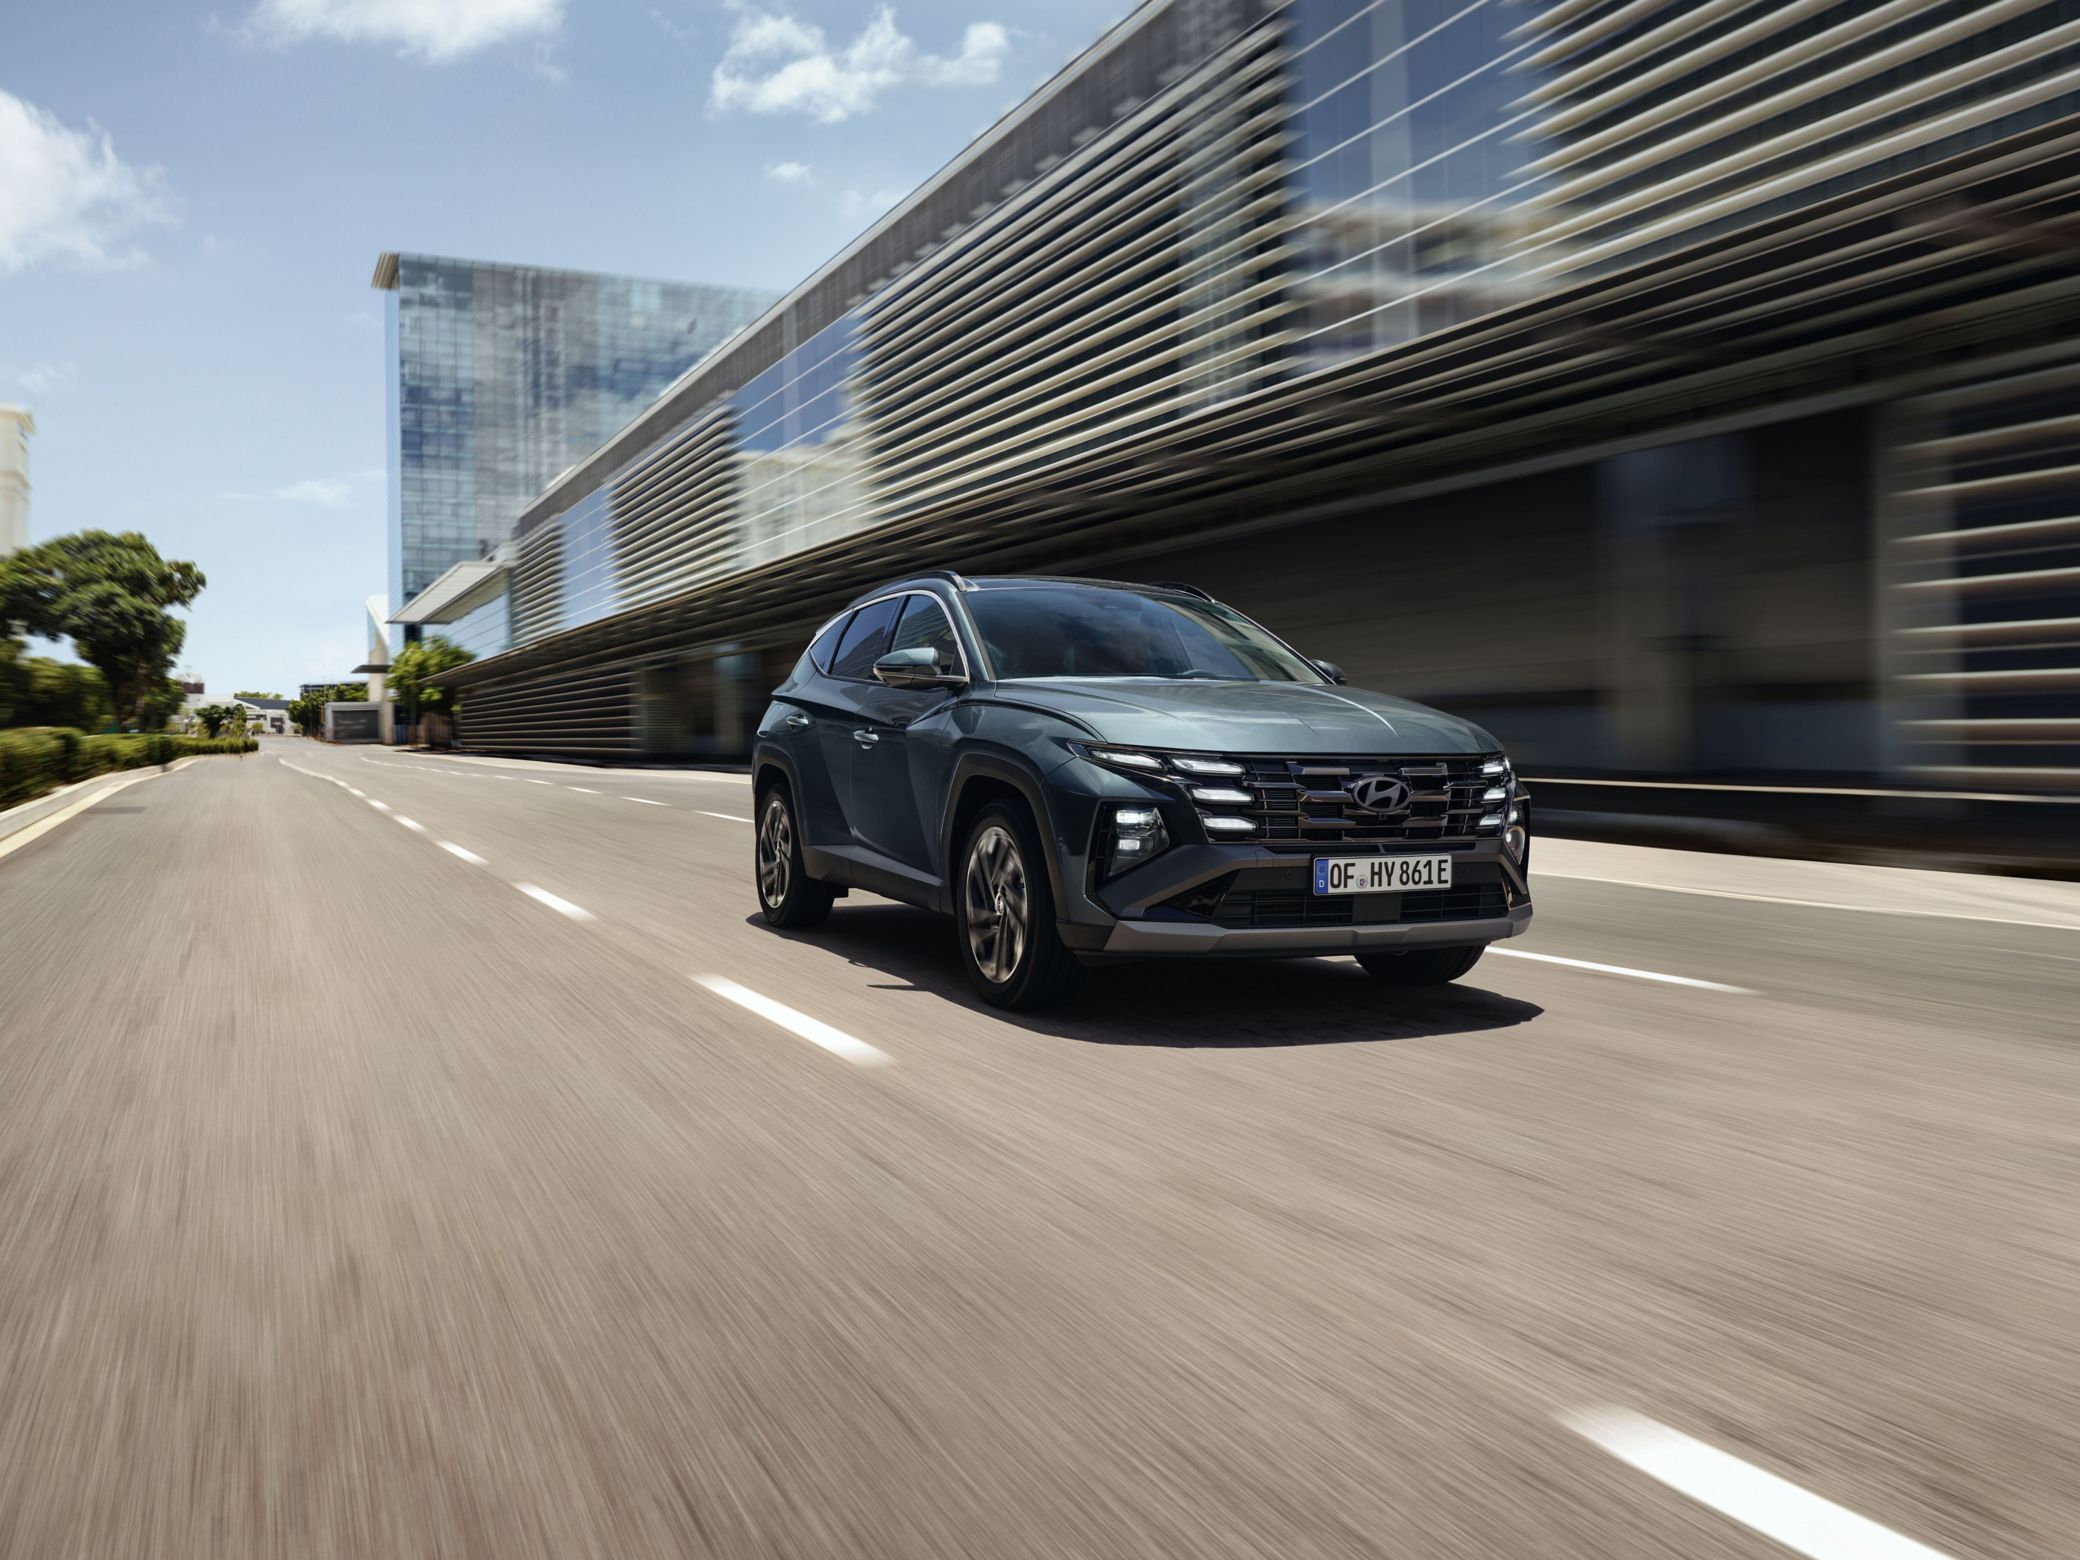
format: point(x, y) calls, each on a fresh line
point(192, 201)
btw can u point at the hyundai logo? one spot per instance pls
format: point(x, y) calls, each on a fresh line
point(1380, 794)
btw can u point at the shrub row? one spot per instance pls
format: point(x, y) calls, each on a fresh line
point(36, 759)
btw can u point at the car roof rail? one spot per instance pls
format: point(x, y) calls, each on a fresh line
point(957, 581)
point(1181, 588)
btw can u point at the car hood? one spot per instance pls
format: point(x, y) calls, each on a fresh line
point(1267, 718)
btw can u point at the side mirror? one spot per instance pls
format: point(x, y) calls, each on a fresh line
point(915, 668)
point(1331, 670)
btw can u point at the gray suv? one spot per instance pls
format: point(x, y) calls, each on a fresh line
point(1079, 770)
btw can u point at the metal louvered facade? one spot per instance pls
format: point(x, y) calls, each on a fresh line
point(1249, 263)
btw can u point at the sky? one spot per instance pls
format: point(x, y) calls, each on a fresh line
point(192, 202)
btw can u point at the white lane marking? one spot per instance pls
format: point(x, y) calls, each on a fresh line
point(378, 806)
point(561, 906)
point(1619, 969)
point(411, 823)
point(1773, 1507)
point(1808, 904)
point(732, 817)
point(469, 856)
point(585, 788)
point(357, 791)
point(532, 781)
point(813, 1030)
point(645, 801)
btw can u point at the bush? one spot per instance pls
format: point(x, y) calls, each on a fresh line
point(36, 759)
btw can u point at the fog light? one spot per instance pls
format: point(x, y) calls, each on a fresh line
point(1137, 835)
point(1516, 841)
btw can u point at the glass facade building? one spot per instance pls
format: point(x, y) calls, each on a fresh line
point(1242, 245)
point(502, 376)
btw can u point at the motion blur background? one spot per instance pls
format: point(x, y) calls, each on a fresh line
point(1682, 389)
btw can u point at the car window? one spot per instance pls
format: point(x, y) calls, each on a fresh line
point(865, 640)
point(826, 645)
point(1073, 631)
point(924, 626)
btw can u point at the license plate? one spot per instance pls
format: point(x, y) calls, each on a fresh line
point(1380, 874)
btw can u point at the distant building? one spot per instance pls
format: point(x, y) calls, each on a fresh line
point(500, 378)
point(16, 424)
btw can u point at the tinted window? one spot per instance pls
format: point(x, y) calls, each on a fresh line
point(1071, 631)
point(826, 644)
point(865, 640)
point(925, 626)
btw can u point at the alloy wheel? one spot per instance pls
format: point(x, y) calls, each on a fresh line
point(995, 900)
point(775, 851)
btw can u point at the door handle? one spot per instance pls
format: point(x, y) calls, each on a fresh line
point(798, 721)
point(865, 738)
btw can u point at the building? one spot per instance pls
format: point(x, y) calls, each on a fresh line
point(500, 377)
point(16, 424)
point(1681, 391)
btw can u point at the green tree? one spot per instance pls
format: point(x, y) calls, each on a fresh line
point(215, 717)
point(111, 595)
point(247, 694)
point(414, 669)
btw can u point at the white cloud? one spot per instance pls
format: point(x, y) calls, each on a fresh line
point(316, 490)
point(436, 30)
point(864, 205)
point(64, 194)
point(36, 378)
point(778, 64)
point(790, 173)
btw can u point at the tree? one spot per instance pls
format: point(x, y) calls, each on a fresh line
point(308, 710)
point(110, 594)
point(413, 670)
point(247, 694)
point(215, 717)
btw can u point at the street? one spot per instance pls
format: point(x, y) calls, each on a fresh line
point(412, 1156)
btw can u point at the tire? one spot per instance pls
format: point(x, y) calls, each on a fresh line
point(1003, 907)
point(787, 895)
point(1423, 967)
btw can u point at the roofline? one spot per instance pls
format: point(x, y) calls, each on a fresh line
point(389, 262)
point(657, 411)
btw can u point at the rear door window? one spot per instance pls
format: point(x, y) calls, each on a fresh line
point(826, 645)
point(865, 640)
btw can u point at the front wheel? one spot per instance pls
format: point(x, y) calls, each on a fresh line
point(1005, 911)
point(1423, 966)
point(787, 895)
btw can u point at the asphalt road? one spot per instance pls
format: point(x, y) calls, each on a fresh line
point(355, 1201)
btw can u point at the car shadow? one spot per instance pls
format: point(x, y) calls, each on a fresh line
point(1173, 1002)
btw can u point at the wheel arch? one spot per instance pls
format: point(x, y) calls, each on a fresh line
point(978, 780)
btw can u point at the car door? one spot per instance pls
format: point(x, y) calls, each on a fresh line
point(842, 718)
point(894, 805)
point(810, 714)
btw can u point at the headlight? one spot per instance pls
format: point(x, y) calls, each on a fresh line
point(1134, 833)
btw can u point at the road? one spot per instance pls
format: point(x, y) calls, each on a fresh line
point(356, 1201)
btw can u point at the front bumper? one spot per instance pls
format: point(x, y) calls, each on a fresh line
point(1144, 939)
point(1223, 898)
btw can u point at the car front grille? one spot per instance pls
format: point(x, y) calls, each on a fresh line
point(1247, 908)
point(1309, 801)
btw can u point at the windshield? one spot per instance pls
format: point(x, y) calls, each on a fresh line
point(1071, 631)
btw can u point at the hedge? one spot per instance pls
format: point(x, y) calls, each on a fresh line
point(36, 759)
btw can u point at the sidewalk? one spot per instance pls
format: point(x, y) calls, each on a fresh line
point(549, 766)
point(1782, 880)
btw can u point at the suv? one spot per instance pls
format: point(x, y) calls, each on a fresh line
point(1079, 770)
